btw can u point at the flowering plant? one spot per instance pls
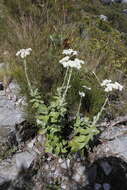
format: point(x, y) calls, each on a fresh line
point(53, 120)
point(23, 53)
point(71, 61)
point(109, 85)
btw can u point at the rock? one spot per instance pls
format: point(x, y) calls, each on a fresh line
point(92, 173)
point(115, 180)
point(117, 1)
point(79, 171)
point(9, 168)
point(31, 144)
point(24, 131)
point(124, 1)
point(106, 1)
point(73, 176)
point(112, 132)
point(10, 115)
point(1, 86)
point(24, 159)
point(125, 11)
point(64, 163)
point(116, 147)
point(106, 167)
point(115, 141)
point(97, 186)
point(106, 186)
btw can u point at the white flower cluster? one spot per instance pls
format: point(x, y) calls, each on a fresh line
point(82, 94)
point(67, 62)
point(109, 85)
point(69, 52)
point(103, 17)
point(23, 52)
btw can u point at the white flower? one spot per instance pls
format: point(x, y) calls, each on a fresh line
point(118, 86)
point(103, 17)
point(70, 52)
point(67, 62)
point(105, 82)
point(82, 94)
point(64, 59)
point(109, 88)
point(109, 85)
point(23, 52)
point(74, 64)
point(79, 61)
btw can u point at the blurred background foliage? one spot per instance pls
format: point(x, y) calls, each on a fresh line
point(48, 27)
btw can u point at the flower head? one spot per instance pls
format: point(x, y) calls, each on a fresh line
point(81, 94)
point(103, 17)
point(118, 86)
point(67, 62)
point(23, 52)
point(109, 85)
point(70, 59)
point(105, 82)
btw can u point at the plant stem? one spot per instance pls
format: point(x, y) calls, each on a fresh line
point(96, 77)
point(26, 74)
point(65, 77)
point(79, 107)
point(100, 113)
point(68, 82)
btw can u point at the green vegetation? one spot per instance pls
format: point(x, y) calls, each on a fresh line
point(48, 27)
point(62, 134)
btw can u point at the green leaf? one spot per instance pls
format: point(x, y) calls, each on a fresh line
point(42, 131)
point(43, 109)
point(44, 118)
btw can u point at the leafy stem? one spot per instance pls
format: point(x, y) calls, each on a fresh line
point(65, 77)
point(80, 102)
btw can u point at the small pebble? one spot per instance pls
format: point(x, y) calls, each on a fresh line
point(97, 186)
point(106, 186)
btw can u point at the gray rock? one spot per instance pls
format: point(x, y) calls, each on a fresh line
point(117, 1)
point(97, 186)
point(106, 167)
point(10, 168)
point(24, 159)
point(106, 186)
point(112, 132)
point(124, 1)
point(10, 115)
point(125, 11)
point(106, 1)
point(64, 163)
point(115, 147)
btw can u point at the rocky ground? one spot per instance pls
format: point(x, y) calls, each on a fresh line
point(25, 166)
